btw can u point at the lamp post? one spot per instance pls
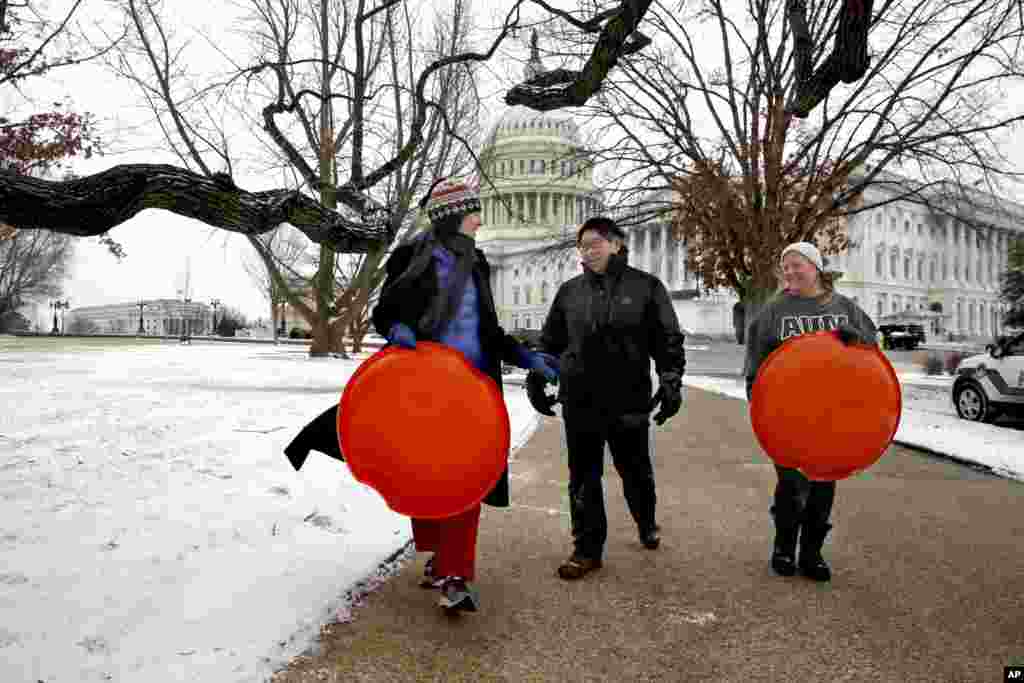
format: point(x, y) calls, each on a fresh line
point(142, 305)
point(215, 303)
point(186, 336)
point(58, 305)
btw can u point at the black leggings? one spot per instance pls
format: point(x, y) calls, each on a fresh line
point(801, 500)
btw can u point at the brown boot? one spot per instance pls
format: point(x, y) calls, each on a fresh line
point(577, 566)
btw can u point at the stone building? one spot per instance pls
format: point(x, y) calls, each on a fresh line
point(907, 261)
point(160, 317)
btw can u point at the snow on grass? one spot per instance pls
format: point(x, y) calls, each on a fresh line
point(151, 527)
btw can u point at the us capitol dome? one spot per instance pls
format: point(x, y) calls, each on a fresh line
point(536, 187)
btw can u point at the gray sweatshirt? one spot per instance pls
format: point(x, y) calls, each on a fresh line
point(787, 316)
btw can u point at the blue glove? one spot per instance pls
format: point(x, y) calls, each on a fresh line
point(544, 363)
point(402, 335)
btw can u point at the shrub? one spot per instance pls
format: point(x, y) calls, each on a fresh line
point(953, 359)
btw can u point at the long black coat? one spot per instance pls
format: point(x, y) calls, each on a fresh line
point(409, 304)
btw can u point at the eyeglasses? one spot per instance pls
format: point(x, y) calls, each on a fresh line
point(591, 245)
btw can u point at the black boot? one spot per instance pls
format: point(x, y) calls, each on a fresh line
point(784, 548)
point(651, 537)
point(812, 565)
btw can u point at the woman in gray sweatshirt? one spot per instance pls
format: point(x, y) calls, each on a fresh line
point(806, 304)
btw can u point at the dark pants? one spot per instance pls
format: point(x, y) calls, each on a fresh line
point(799, 500)
point(586, 435)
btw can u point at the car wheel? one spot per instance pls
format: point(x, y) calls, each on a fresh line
point(972, 404)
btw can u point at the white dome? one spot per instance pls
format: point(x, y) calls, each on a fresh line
point(521, 121)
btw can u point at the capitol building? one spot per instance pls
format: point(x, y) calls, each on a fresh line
point(906, 262)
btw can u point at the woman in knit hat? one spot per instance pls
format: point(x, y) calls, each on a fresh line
point(438, 288)
point(807, 303)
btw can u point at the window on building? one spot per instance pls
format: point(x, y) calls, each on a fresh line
point(894, 264)
point(906, 226)
point(515, 296)
point(932, 271)
point(906, 267)
point(879, 262)
point(920, 271)
point(544, 292)
point(529, 296)
point(515, 322)
point(881, 306)
point(522, 167)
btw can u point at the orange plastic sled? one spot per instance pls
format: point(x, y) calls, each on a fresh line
point(822, 407)
point(425, 429)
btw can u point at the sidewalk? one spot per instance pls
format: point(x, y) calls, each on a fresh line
point(928, 579)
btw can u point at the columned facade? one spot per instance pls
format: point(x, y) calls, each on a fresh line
point(938, 264)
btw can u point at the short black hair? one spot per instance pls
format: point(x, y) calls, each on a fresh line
point(602, 225)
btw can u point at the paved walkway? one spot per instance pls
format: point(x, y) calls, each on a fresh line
point(928, 561)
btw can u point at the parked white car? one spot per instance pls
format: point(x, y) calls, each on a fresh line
point(991, 383)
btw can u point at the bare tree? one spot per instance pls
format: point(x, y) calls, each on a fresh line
point(703, 112)
point(1011, 288)
point(289, 250)
point(32, 267)
point(361, 103)
point(91, 206)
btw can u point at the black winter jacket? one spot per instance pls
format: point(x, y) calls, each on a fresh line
point(606, 329)
point(409, 304)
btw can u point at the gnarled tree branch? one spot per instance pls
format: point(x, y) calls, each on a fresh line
point(567, 88)
point(93, 205)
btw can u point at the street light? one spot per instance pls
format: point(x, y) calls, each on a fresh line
point(58, 305)
point(142, 305)
point(215, 303)
point(186, 337)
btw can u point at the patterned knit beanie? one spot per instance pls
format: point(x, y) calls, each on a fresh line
point(451, 198)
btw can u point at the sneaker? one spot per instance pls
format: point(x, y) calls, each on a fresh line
point(457, 596)
point(429, 580)
point(651, 538)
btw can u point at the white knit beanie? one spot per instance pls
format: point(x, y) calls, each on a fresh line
point(808, 251)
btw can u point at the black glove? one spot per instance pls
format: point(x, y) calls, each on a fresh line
point(848, 334)
point(539, 399)
point(669, 395)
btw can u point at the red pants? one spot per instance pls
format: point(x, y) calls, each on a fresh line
point(452, 540)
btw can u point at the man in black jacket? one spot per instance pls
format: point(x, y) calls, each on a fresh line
point(606, 325)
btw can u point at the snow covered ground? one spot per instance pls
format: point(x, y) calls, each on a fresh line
point(151, 528)
point(928, 421)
